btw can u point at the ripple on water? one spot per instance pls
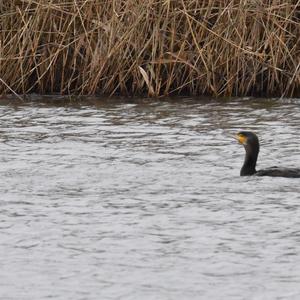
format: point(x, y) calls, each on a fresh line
point(143, 201)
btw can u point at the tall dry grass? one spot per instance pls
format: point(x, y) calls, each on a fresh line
point(154, 47)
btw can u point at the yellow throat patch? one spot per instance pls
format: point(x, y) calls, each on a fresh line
point(241, 138)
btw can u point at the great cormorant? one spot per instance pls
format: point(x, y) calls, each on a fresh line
point(251, 144)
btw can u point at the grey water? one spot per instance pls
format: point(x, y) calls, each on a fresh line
point(142, 199)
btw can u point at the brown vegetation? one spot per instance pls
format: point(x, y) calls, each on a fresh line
point(154, 47)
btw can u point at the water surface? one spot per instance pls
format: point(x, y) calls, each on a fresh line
point(109, 199)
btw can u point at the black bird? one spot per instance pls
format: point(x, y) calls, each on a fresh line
point(251, 144)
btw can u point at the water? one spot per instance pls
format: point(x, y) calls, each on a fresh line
point(143, 200)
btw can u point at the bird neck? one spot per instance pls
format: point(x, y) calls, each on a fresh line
point(250, 162)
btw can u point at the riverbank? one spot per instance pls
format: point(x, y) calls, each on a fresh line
point(219, 48)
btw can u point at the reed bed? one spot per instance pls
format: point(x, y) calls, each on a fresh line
point(154, 47)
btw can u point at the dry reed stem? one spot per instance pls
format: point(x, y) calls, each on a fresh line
point(162, 47)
